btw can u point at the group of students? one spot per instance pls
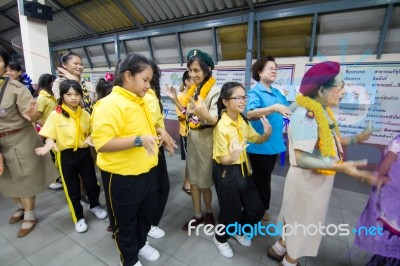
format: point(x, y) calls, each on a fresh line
point(126, 128)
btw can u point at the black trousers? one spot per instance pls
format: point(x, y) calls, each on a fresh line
point(263, 165)
point(163, 187)
point(133, 201)
point(72, 165)
point(106, 184)
point(237, 197)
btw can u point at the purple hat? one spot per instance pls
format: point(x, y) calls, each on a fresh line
point(318, 75)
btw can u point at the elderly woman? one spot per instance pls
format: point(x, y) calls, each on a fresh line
point(25, 174)
point(316, 154)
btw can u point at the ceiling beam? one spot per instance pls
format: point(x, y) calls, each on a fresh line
point(150, 48)
point(88, 57)
point(313, 36)
point(74, 17)
point(249, 51)
point(106, 55)
point(384, 30)
point(132, 18)
point(178, 39)
point(251, 5)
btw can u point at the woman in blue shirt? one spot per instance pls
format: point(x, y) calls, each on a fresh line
point(265, 101)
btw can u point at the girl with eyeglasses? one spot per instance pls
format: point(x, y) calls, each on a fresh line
point(237, 196)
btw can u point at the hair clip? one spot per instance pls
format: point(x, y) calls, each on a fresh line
point(109, 77)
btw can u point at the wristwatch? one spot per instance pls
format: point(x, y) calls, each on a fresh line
point(138, 142)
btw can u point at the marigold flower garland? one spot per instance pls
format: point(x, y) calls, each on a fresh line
point(326, 142)
point(193, 120)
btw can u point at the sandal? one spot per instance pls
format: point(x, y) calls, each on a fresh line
point(24, 231)
point(16, 218)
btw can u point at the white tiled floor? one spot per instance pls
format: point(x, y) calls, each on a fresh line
point(55, 242)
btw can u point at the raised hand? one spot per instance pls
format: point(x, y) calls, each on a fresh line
point(266, 125)
point(170, 92)
point(64, 73)
point(282, 109)
point(200, 108)
point(236, 149)
point(366, 133)
point(31, 111)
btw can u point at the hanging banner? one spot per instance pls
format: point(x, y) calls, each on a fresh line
point(372, 94)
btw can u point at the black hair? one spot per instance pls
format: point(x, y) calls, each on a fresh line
point(103, 88)
point(15, 66)
point(64, 58)
point(259, 65)
point(226, 92)
point(134, 63)
point(6, 57)
point(185, 77)
point(203, 66)
point(155, 82)
point(65, 85)
point(45, 82)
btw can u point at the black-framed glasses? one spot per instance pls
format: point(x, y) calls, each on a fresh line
point(239, 99)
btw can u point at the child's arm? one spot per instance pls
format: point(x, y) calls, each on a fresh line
point(267, 130)
point(235, 150)
point(149, 142)
point(50, 144)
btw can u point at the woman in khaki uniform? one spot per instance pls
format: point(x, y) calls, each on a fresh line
point(200, 107)
point(316, 154)
point(25, 174)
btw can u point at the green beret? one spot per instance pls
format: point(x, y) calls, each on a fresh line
point(204, 56)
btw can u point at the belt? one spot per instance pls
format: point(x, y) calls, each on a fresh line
point(10, 132)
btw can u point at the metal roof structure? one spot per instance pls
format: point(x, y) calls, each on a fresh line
point(103, 30)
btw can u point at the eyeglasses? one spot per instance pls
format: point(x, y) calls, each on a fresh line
point(239, 99)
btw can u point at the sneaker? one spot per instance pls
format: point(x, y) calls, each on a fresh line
point(99, 212)
point(136, 264)
point(55, 185)
point(195, 223)
point(149, 253)
point(243, 240)
point(156, 232)
point(81, 226)
point(223, 248)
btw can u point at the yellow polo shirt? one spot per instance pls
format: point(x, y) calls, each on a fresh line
point(122, 114)
point(226, 131)
point(154, 107)
point(46, 104)
point(181, 117)
point(63, 130)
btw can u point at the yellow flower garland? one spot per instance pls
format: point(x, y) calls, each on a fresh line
point(326, 143)
point(205, 89)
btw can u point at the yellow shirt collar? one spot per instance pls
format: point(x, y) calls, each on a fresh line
point(228, 121)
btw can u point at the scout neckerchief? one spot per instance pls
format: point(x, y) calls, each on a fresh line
point(76, 116)
point(141, 102)
point(86, 98)
point(243, 155)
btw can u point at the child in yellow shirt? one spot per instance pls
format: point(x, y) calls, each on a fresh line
point(66, 130)
point(237, 196)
